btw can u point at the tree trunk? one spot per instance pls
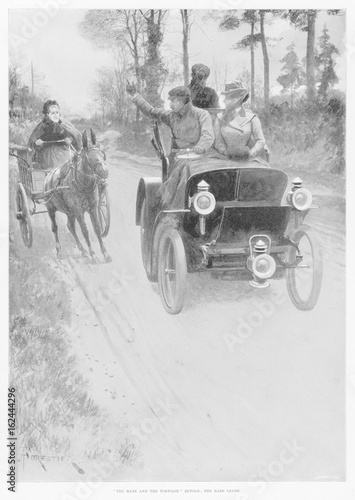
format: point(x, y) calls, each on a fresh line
point(154, 69)
point(252, 68)
point(139, 86)
point(266, 63)
point(310, 62)
point(185, 42)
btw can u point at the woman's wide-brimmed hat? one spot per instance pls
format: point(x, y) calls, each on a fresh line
point(236, 89)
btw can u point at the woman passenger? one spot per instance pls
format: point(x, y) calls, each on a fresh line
point(238, 133)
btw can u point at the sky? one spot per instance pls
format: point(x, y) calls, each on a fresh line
point(69, 62)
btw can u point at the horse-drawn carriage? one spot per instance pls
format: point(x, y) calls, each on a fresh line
point(234, 219)
point(33, 188)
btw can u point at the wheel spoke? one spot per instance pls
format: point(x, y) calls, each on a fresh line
point(169, 271)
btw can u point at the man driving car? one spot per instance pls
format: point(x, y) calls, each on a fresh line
point(191, 127)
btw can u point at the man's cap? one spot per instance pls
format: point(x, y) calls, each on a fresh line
point(200, 70)
point(180, 92)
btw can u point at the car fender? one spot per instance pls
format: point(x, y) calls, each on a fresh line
point(147, 189)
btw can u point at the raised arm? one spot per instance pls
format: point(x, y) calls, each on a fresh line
point(149, 110)
point(146, 108)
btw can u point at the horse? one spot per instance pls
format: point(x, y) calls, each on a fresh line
point(83, 177)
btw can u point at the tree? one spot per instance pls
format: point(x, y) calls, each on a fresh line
point(186, 27)
point(306, 21)
point(265, 60)
point(264, 39)
point(249, 42)
point(109, 29)
point(153, 69)
point(253, 18)
point(292, 76)
point(114, 29)
point(325, 63)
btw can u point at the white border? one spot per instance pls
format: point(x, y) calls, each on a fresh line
point(275, 491)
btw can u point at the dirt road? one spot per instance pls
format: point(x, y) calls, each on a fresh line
point(239, 386)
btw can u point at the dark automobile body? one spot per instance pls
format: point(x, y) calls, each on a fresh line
point(252, 204)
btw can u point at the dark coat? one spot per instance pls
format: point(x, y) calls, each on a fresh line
point(50, 156)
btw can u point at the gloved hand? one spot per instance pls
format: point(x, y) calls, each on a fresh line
point(68, 140)
point(131, 88)
point(39, 142)
point(199, 150)
point(241, 152)
point(252, 153)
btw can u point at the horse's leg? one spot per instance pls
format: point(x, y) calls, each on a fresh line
point(71, 227)
point(51, 212)
point(96, 225)
point(84, 230)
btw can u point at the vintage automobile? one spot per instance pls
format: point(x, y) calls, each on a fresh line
point(236, 219)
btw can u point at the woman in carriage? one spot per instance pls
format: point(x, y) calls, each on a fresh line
point(51, 138)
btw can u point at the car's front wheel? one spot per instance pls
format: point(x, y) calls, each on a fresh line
point(172, 271)
point(304, 282)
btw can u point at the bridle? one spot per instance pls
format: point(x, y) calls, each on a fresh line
point(95, 177)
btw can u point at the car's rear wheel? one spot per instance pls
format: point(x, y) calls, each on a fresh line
point(304, 282)
point(172, 271)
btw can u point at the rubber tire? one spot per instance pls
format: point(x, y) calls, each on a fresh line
point(297, 300)
point(104, 217)
point(171, 241)
point(25, 222)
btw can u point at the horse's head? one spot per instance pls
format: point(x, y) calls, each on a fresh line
point(96, 157)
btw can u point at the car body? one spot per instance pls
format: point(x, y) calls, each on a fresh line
point(238, 219)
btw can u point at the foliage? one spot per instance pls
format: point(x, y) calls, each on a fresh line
point(23, 103)
point(248, 41)
point(293, 74)
point(335, 145)
point(325, 63)
point(153, 70)
point(305, 20)
point(230, 21)
point(309, 137)
point(137, 33)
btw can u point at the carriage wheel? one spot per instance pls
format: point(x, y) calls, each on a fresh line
point(23, 216)
point(104, 213)
point(304, 283)
point(172, 271)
